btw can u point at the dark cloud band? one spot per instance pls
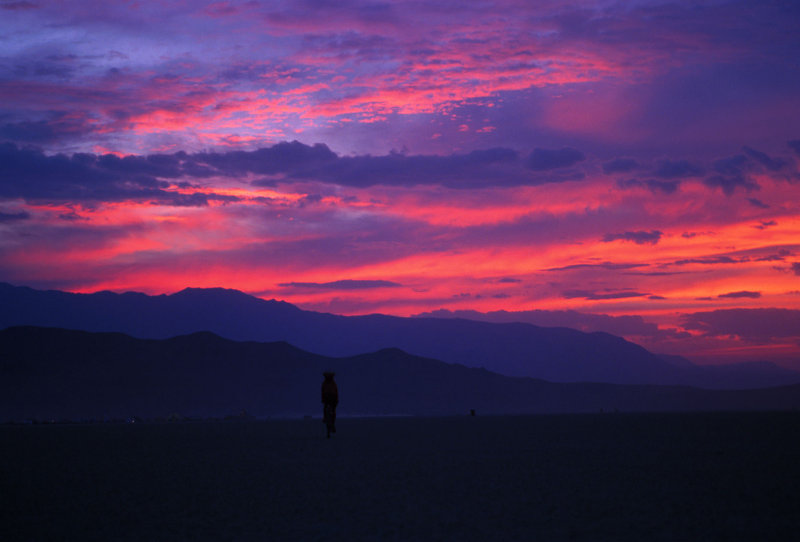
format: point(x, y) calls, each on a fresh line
point(638, 237)
point(753, 325)
point(346, 284)
point(31, 174)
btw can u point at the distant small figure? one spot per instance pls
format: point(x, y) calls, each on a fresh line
point(330, 399)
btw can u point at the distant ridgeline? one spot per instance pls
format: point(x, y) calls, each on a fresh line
point(555, 354)
point(51, 373)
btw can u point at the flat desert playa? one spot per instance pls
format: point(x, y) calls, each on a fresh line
point(731, 476)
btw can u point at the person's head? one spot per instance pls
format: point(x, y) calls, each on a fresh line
point(328, 375)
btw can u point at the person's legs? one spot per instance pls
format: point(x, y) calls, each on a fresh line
point(329, 417)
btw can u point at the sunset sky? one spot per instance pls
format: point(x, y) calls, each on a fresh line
point(630, 167)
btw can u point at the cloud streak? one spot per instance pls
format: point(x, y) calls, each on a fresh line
point(753, 325)
point(346, 284)
point(741, 294)
point(601, 296)
point(638, 237)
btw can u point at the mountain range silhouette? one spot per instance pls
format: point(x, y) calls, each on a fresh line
point(554, 354)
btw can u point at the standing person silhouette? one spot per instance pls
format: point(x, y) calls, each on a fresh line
point(330, 398)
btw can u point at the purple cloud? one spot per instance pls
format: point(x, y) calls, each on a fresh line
point(728, 185)
point(734, 172)
point(596, 296)
point(772, 164)
point(732, 166)
point(88, 177)
point(546, 159)
point(620, 165)
point(753, 325)
point(757, 203)
point(610, 266)
point(710, 260)
point(57, 127)
point(293, 158)
point(677, 169)
point(764, 224)
point(32, 175)
point(346, 284)
point(743, 294)
point(638, 237)
point(12, 217)
point(479, 168)
point(779, 257)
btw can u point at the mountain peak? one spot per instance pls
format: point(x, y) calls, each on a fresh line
point(230, 294)
point(190, 291)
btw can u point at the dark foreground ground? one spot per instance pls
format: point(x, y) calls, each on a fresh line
point(583, 477)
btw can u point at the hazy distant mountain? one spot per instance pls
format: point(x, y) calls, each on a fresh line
point(48, 373)
point(515, 349)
